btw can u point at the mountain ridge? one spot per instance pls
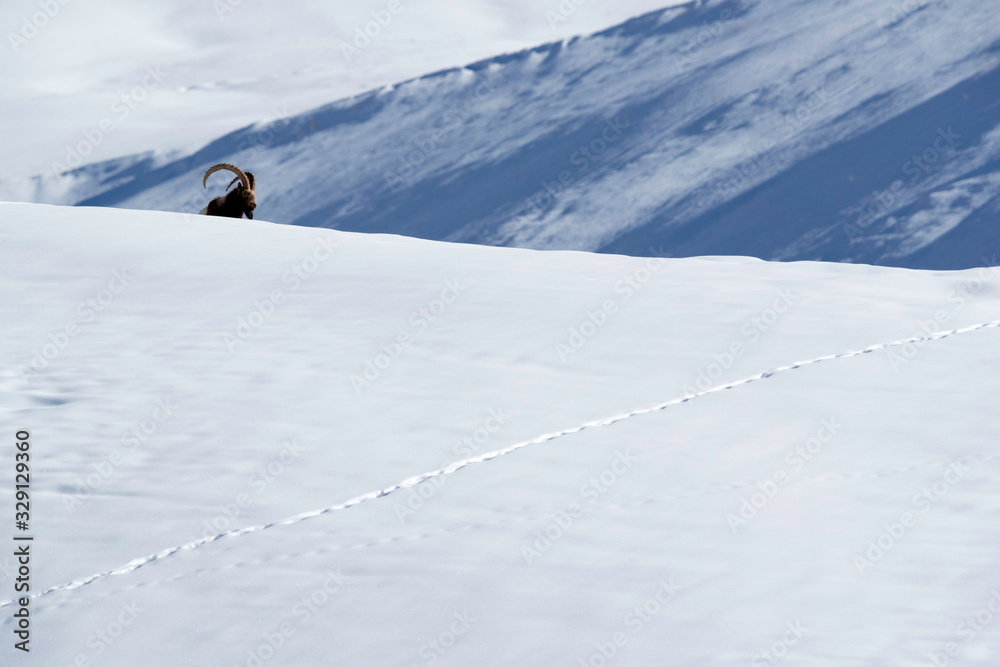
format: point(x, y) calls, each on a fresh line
point(750, 130)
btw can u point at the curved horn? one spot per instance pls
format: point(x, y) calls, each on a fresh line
point(228, 167)
point(249, 178)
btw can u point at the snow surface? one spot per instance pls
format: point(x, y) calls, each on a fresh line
point(892, 373)
point(833, 130)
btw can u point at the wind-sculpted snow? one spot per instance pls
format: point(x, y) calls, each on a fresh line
point(190, 385)
point(518, 515)
point(411, 482)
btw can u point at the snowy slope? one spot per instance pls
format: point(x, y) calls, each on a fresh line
point(205, 385)
point(225, 63)
point(859, 131)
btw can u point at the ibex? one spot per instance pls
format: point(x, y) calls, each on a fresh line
point(233, 204)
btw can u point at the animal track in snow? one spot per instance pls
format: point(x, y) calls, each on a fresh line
point(685, 494)
point(409, 482)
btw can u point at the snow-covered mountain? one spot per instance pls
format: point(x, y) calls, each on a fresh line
point(855, 130)
point(257, 444)
point(80, 72)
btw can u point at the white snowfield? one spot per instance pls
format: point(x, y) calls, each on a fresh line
point(255, 444)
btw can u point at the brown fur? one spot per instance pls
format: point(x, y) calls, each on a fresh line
point(235, 203)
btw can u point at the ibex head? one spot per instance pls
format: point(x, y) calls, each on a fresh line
point(236, 203)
